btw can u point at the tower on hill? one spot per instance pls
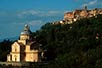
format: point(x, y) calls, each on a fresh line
point(85, 7)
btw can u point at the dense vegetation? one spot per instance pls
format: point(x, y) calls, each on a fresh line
point(77, 45)
point(5, 47)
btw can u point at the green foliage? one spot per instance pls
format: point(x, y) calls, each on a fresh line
point(5, 47)
point(77, 45)
point(74, 45)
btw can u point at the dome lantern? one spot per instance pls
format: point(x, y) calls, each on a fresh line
point(26, 30)
point(26, 33)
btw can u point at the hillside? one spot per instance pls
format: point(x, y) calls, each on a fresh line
point(78, 45)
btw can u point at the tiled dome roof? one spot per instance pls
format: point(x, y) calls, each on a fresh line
point(26, 30)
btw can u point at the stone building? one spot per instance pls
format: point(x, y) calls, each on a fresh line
point(78, 14)
point(25, 49)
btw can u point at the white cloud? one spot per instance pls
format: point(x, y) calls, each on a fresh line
point(17, 23)
point(90, 3)
point(35, 22)
point(51, 13)
point(35, 17)
point(33, 12)
point(40, 13)
point(22, 14)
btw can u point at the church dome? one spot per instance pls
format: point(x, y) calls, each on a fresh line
point(26, 30)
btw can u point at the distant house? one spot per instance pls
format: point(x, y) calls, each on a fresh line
point(25, 49)
point(78, 14)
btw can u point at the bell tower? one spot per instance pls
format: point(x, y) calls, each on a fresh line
point(85, 7)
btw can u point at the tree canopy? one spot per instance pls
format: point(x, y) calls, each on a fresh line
point(76, 45)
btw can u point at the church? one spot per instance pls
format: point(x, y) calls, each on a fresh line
point(25, 49)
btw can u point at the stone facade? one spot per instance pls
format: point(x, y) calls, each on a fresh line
point(78, 14)
point(25, 49)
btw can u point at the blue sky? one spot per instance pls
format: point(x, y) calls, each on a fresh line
point(14, 14)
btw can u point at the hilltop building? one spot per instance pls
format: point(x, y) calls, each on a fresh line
point(78, 14)
point(25, 49)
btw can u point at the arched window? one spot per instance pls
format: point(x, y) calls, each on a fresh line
point(15, 57)
point(15, 49)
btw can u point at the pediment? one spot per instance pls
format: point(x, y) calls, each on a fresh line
point(15, 44)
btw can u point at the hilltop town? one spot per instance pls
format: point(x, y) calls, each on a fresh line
point(77, 14)
point(58, 45)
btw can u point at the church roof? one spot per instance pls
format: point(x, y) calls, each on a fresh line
point(26, 30)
